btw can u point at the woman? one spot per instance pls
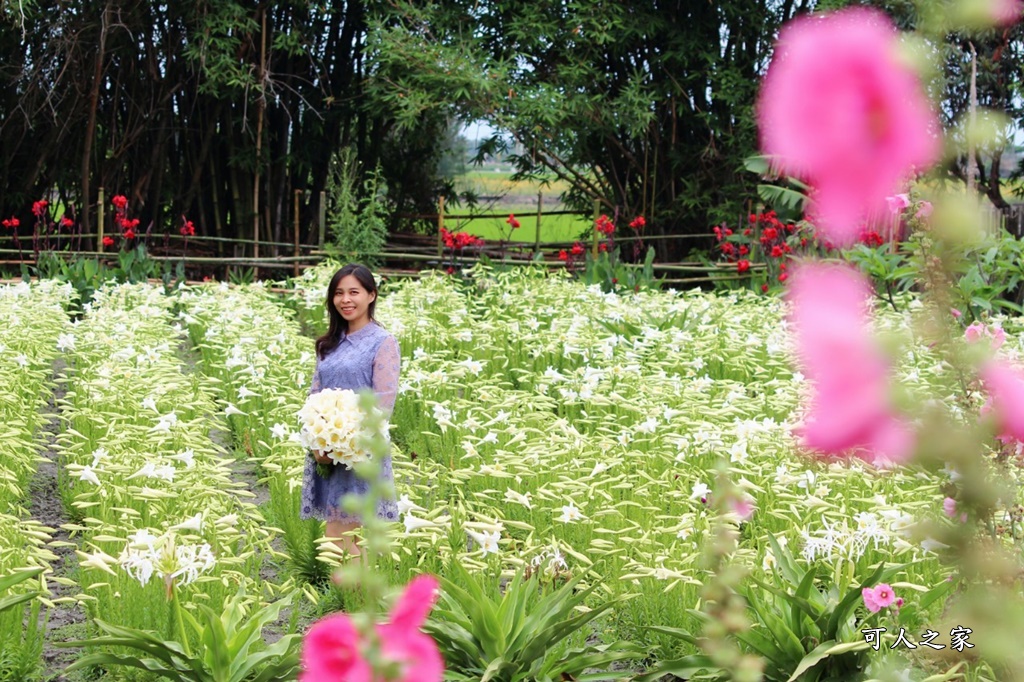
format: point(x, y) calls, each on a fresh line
point(356, 352)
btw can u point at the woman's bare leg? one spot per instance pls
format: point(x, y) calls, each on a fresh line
point(346, 543)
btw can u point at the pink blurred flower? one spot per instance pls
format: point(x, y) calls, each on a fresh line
point(878, 598)
point(924, 210)
point(898, 203)
point(840, 109)
point(955, 313)
point(976, 331)
point(1005, 12)
point(331, 649)
point(949, 507)
point(1005, 384)
point(850, 410)
point(744, 509)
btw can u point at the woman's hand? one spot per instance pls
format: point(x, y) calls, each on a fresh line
point(321, 458)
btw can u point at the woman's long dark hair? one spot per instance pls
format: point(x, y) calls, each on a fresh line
point(339, 325)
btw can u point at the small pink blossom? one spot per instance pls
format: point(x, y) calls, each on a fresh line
point(850, 410)
point(898, 203)
point(977, 331)
point(949, 507)
point(1005, 384)
point(840, 109)
point(955, 313)
point(742, 508)
point(331, 649)
point(878, 598)
point(924, 210)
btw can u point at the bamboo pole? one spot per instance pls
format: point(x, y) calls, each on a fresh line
point(540, 208)
point(99, 218)
point(597, 214)
point(323, 217)
point(440, 226)
point(297, 193)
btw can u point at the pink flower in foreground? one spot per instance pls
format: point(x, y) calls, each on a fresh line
point(898, 203)
point(331, 649)
point(1005, 384)
point(878, 598)
point(1005, 12)
point(840, 110)
point(850, 410)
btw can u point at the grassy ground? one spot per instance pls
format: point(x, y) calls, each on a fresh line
point(503, 196)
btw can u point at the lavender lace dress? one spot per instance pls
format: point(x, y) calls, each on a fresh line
point(367, 358)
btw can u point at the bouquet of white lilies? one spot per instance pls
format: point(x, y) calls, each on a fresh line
point(333, 424)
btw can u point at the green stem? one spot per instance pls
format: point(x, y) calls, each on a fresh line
point(180, 621)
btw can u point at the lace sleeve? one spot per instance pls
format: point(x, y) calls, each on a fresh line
point(315, 386)
point(386, 366)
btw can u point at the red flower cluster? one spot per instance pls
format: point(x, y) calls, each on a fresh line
point(605, 226)
point(871, 238)
point(187, 228)
point(638, 223)
point(512, 221)
point(11, 223)
point(459, 240)
point(576, 250)
point(39, 207)
point(108, 241)
point(66, 221)
point(127, 226)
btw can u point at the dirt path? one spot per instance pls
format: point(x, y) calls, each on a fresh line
point(66, 621)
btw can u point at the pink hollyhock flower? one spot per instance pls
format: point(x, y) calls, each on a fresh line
point(1005, 12)
point(974, 332)
point(977, 331)
point(949, 507)
point(331, 649)
point(955, 313)
point(924, 210)
point(878, 598)
point(744, 509)
point(850, 409)
point(898, 203)
point(1005, 384)
point(839, 109)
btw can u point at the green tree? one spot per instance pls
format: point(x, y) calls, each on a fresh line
point(645, 107)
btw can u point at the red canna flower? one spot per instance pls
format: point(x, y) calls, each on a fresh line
point(602, 247)
point(108, 241)
point(66, 222)
point(638, 223)
point(577, 249)
point(188, 229)
point(129, 234)
point(764, 288)
point(776, 251)
point(11, 224)
point(39, 208)
point(563, 255)
point(512, 221)
point(120, 202)
point(783, 277)
point(742, 266)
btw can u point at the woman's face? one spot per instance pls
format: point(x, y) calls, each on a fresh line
point(353, 301)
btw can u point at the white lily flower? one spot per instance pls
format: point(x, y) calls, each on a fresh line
point(279, 431)
point(231, 409)
point(87, 474)
point(413, 523)
point(570, 513)
point(488, 542)
point(699, 490)
point(514, 496)
point(188, 457)
point(195, 523)
point(149, 404)
point(244, 392)
point(98, 559)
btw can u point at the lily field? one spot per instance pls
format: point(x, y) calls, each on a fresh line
point(541, 426)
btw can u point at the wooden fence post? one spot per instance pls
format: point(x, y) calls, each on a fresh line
point(323, 218)
point(440, 226)
point(297, 193)
point(99, 224)
point(540, 207)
